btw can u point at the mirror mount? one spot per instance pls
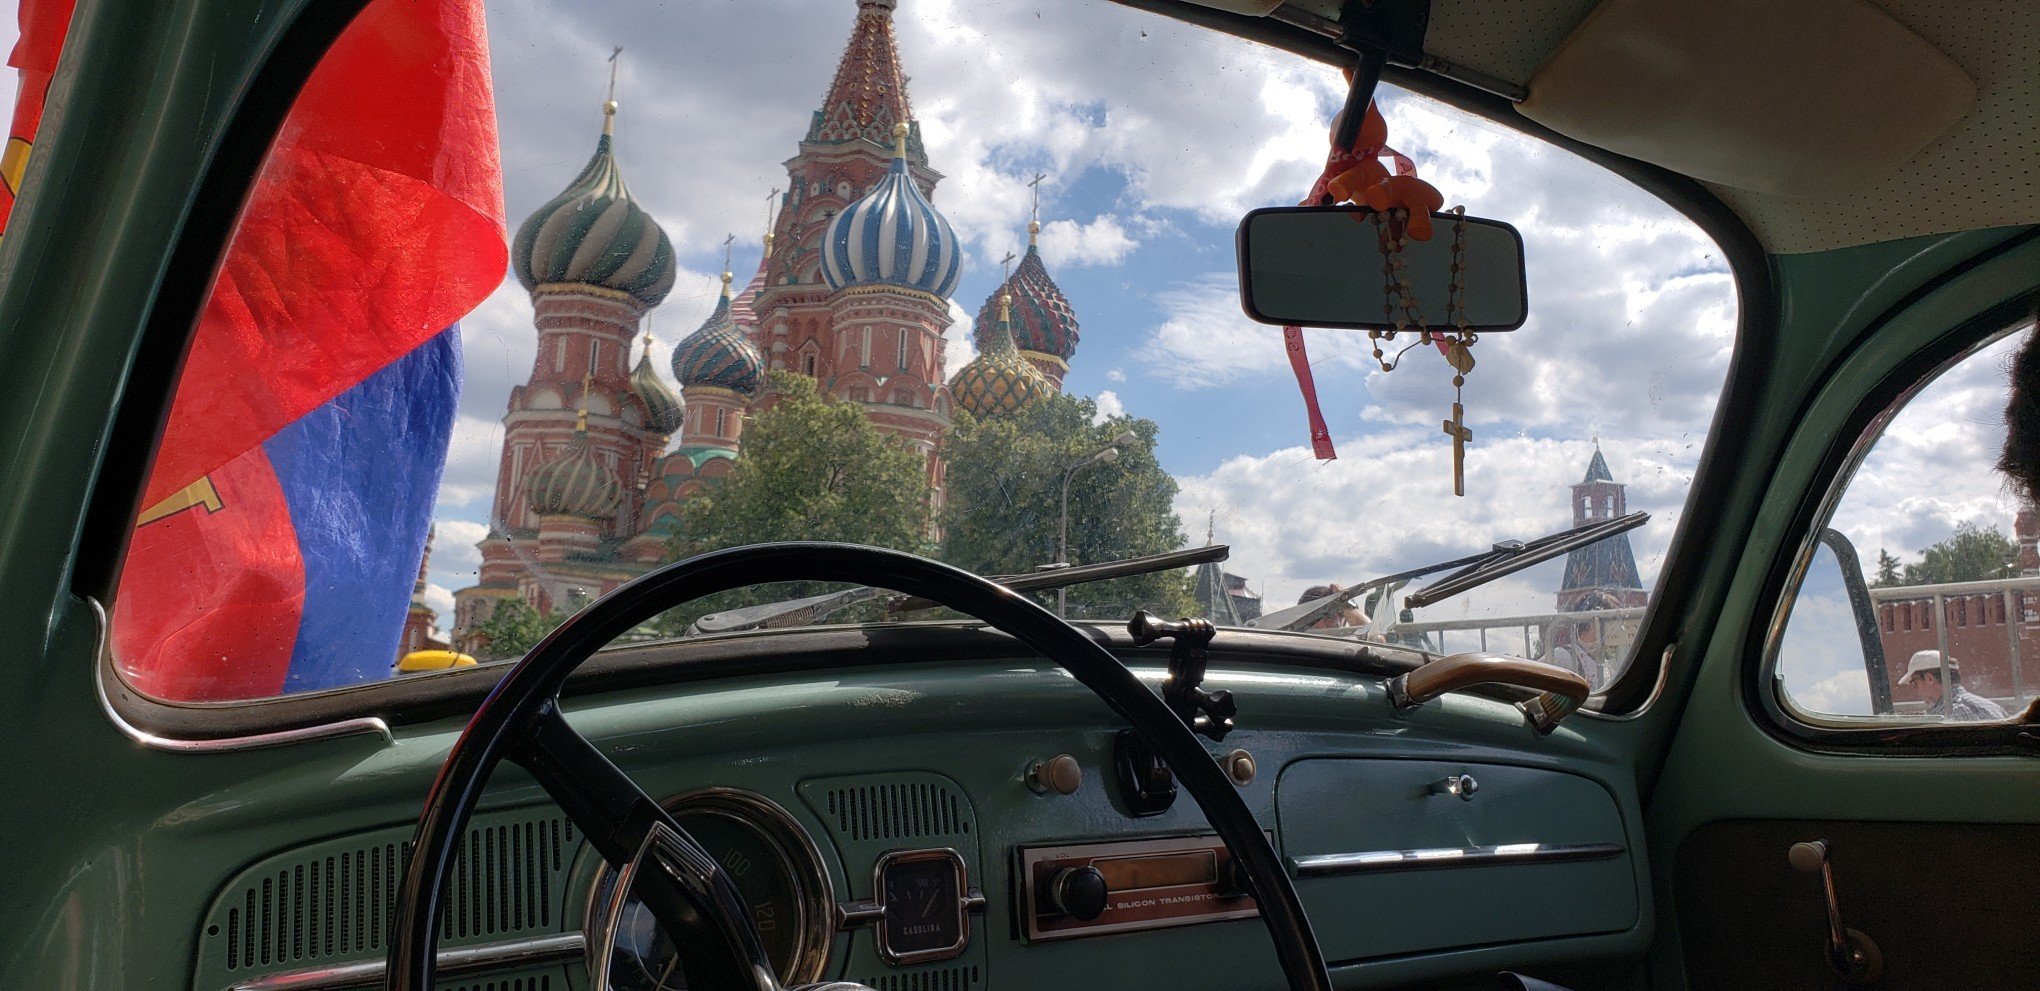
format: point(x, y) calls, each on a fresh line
point(1377, 32)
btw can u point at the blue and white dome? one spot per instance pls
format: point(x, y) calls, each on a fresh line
point(893, 236)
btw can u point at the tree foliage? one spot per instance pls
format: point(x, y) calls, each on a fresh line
point(812, 468)
point(1004, 500)
point(1972, 554)
point(1887, 570)
point(512, 629)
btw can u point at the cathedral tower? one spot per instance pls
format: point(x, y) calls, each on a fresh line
point(594, 262)
point(1601, 575)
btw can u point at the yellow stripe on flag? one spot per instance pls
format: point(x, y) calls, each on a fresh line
point(14, 163)
point(199, 493)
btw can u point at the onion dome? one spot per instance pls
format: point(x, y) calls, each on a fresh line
point(719, 354)
point(892, 236)
point(593, 233)
point(1042, 318)
point(575, 482)
point(663, 407)
point(999, 380)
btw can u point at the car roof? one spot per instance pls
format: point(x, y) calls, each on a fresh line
point(1960, 160)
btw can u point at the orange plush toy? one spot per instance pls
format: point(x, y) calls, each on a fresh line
point(1365, 181)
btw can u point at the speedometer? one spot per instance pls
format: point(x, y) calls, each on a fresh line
point(777, 868)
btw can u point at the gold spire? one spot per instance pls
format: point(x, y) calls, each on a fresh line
point(587, 383)
point(609, 105)
point(1034, 217)
point(771, 201)
point(727, 244)
point(899, 139)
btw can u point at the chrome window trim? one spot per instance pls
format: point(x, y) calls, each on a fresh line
point(1769, 676)
point(358, 726)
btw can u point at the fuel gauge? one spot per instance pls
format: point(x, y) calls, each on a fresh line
point(925, 898)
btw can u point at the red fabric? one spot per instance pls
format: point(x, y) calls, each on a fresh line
point(200, 630)
point(377, 222)
point(43, 25)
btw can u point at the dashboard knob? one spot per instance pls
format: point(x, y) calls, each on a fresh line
point(1079, 892)
point(1060, 774)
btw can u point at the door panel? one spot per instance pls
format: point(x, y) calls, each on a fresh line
point(1949, 906)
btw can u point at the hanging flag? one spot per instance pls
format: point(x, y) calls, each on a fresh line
point(43, 24)
point(286, 514)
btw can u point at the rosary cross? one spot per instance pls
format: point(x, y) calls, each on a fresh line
point(1460, 434)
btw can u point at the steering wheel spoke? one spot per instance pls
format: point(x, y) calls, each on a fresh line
point(690, 894)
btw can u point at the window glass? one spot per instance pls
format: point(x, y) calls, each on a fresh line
point(678, 359)
point(1922, 602)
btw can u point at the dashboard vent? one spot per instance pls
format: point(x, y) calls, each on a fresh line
point(338, 900)
point(896, 811)
point(539, 983)
point(941, 979)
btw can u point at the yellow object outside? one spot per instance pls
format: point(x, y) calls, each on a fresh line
point(434, 660)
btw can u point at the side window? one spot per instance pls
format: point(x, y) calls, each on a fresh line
point(1921, 603)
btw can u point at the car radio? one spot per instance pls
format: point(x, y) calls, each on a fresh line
point(1090, 889)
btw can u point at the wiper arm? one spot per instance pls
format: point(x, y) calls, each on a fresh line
point(823, 606)
point(1513, 556)
point(1504, 558)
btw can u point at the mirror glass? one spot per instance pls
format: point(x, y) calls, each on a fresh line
point(1324, 267)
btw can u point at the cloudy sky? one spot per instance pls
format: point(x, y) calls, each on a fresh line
point(1156, 138)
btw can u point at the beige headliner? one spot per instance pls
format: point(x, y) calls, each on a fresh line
point(1979, 174)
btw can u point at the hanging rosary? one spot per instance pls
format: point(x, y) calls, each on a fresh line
point(1401, 206)
point(1399, 307)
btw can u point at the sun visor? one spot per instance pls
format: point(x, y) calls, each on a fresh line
point(1791, 98)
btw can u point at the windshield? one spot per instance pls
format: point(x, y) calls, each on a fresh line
point(959, 279)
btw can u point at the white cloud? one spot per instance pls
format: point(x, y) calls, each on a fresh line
point(1109, 406)
point(959, 343)
point(1115, 375)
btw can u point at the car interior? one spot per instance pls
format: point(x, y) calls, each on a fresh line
point(1792, 759)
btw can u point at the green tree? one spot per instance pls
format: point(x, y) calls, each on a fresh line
point(1004, 501)
point(812, 468)
point(1972, 554)
point(512, 629)
point(1887, 570)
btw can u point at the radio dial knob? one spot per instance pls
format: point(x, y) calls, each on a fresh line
point(1079, 892)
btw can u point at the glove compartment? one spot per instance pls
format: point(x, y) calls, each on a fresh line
point(1391, 857)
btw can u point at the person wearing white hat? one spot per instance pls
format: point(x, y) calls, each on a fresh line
point(1923, 675)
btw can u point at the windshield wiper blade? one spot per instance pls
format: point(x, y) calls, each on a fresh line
point(823, 606)
point(1506, 557)
point(1507, 560)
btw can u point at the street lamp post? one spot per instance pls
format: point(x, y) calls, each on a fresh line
point(1062, 542)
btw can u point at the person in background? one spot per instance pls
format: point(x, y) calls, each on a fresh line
point(1574, 643)
point(1349, 617)
point(1923, 676)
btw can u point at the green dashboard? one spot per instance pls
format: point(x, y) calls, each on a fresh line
point(1448, 842)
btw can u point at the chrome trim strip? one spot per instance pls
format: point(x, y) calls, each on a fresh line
point(452, 963)
point(361, 726)
point(1505, 854)
point(1657, 690)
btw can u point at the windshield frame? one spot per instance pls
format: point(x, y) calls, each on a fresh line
point(246, 136)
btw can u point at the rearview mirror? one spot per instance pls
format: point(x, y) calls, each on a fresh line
point(1324, 267)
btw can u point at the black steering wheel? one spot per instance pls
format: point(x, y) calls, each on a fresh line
point(693, 897)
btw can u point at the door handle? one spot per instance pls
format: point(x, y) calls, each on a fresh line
point(1851, 953)
point(1562, 691)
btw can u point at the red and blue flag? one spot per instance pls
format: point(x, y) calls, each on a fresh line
point(287, 510)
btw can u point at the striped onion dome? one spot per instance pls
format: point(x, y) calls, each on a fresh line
point(1042, 318)
point(999, 380)
point(594, 233)
point(893, 236)
point(719, 354)
point(575, 482)
point(663, 407)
